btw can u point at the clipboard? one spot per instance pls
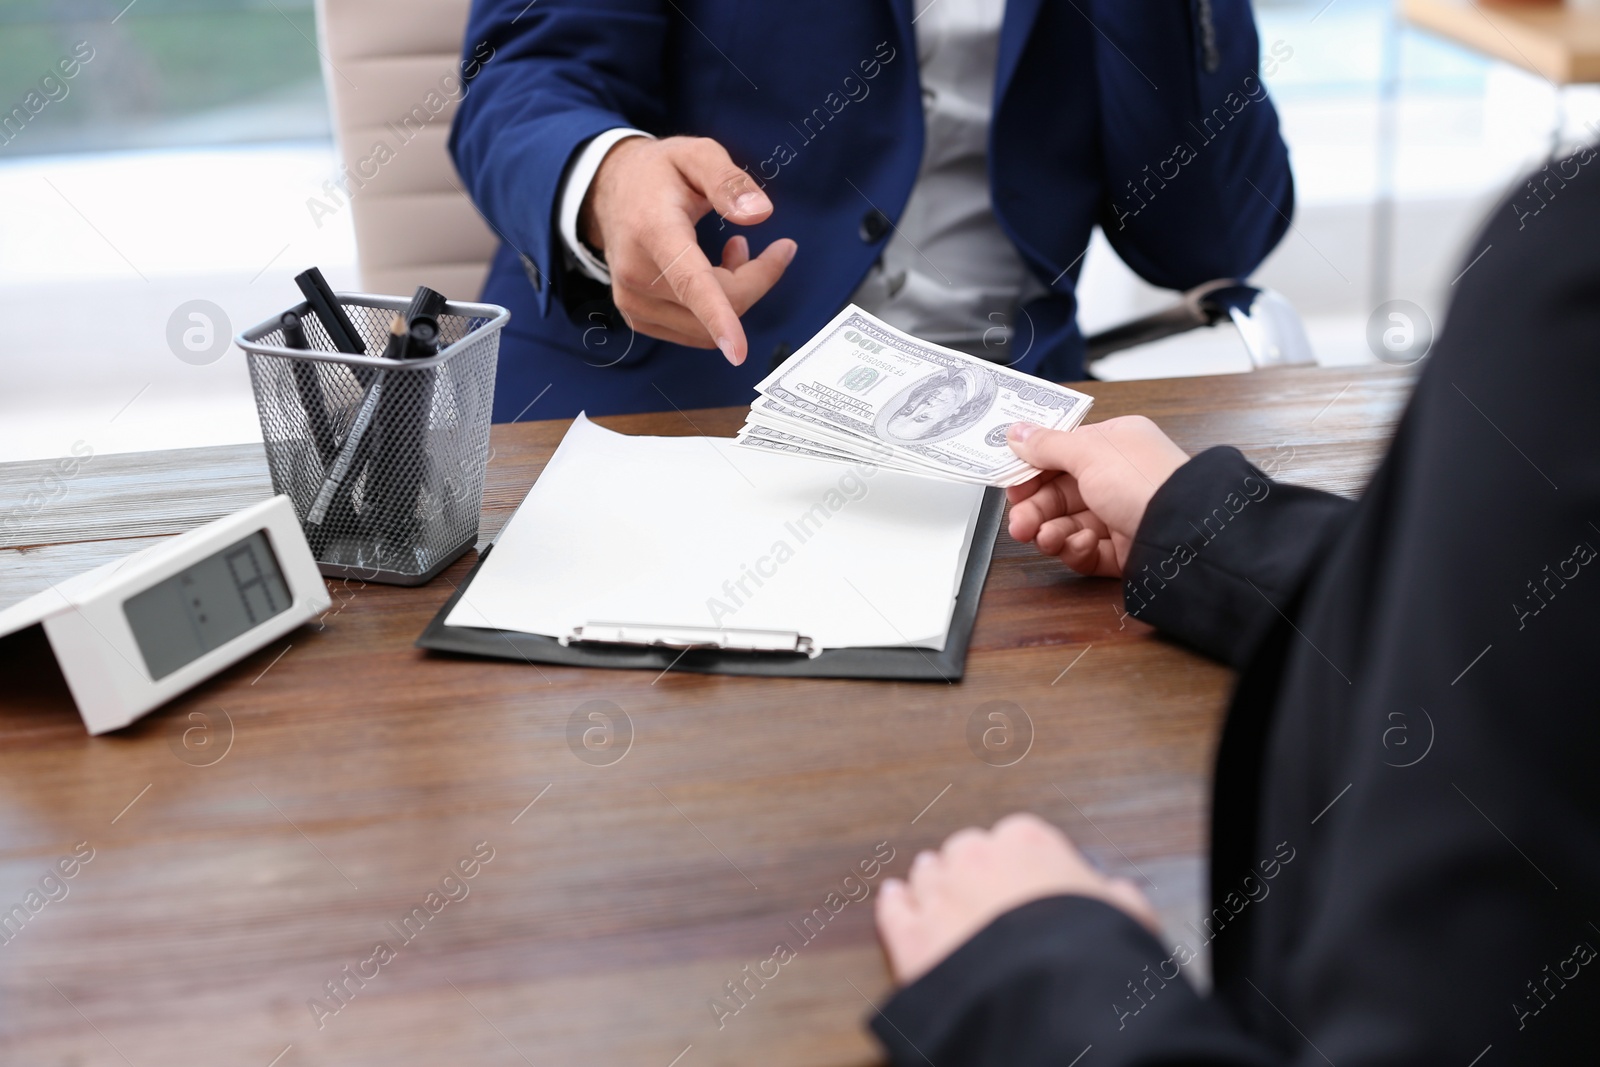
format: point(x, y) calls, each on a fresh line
point(704, 651)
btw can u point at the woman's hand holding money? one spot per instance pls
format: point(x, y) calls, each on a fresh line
point(1098, 479)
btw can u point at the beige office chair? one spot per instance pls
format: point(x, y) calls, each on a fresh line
point(414, 222)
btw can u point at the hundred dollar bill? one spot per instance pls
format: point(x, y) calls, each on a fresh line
point(766, 438)
point(772, 417)
point(862, 381)
point(767, 445)
point(752, 433)
point(768, 412)
point(770, 427)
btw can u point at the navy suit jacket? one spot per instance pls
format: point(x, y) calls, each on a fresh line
point(1147, 117)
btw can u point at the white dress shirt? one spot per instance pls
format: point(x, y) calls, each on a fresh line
point(948, 273)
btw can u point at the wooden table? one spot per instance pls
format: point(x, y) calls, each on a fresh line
point(261, 834)
point(1556, 41)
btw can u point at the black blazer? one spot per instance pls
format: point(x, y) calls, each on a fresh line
point(1405, 863)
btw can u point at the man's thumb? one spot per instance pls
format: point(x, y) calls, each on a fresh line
point(733, 194)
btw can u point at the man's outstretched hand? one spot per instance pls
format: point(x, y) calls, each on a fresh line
point(1097, 481)
point(640, 212)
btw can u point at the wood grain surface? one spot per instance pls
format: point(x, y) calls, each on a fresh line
point(256, 837)
point(1557, 41)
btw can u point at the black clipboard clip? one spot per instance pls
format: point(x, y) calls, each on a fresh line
point(721, 638)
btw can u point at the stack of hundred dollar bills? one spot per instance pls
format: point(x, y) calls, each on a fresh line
point(861, 391)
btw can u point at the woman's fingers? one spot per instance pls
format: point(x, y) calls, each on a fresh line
point(1082, 542)
point(1055, 533)
point(1051, 450)
point(1016, 494)
point(1050, 497)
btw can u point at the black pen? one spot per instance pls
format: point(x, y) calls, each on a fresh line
point(425, 304)
point(423, 338)
point(309, 386)
point(403, 424)
point(358, 430)
point(323, 301)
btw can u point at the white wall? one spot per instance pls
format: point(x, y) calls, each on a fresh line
point(98, 251)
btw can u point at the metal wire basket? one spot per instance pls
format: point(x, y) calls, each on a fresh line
point(384, 459)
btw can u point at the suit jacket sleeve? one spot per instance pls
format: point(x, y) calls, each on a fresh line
point(1049, 981)
point(556, 74)
point(1222, 548)
point(1198, 178)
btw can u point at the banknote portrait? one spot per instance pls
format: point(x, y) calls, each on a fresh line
point(937, 407)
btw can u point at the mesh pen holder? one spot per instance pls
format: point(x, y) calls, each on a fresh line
point(384, 459)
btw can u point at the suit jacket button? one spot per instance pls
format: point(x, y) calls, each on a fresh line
point(873, 226)
point(780, 352)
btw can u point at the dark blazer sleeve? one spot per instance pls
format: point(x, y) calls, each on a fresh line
point(1197, 174)
point(1222, 548)
point(556, 74)
point(1008, 998)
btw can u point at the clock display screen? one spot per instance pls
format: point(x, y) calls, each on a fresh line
point(207, 605)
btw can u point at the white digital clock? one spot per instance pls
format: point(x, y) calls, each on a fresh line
point(136, 632)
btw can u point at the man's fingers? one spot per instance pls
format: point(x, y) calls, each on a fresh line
point(691, 278)
point(731, 192)
point(752, 279)
point(703, 295)
point(690, 302)
point(736, 253)
point(662, 317)
point(657, 316)
point(663, 332)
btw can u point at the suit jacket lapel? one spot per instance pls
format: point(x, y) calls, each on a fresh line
point(904, 11)
point(1014, 31)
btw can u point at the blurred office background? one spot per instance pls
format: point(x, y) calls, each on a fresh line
point(177, 166)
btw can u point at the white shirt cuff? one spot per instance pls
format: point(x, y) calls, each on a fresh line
point(579, 177)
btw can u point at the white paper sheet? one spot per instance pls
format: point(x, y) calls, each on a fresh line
point(693, 531)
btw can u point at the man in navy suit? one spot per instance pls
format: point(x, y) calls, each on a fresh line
point(942, 167)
